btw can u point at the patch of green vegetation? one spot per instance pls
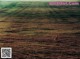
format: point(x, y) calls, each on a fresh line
point(36, 11)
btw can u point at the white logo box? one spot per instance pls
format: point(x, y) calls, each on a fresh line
point(6, 52)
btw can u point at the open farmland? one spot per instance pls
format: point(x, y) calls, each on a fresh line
point(36, 30)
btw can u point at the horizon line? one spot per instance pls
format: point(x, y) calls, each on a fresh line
point(45, 0)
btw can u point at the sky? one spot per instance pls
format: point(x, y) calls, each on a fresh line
point(39, 0)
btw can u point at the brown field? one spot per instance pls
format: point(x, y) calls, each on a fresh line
point(31, 40)
point(41, 33)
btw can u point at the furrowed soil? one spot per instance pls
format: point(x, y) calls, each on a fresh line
point(36, 30)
